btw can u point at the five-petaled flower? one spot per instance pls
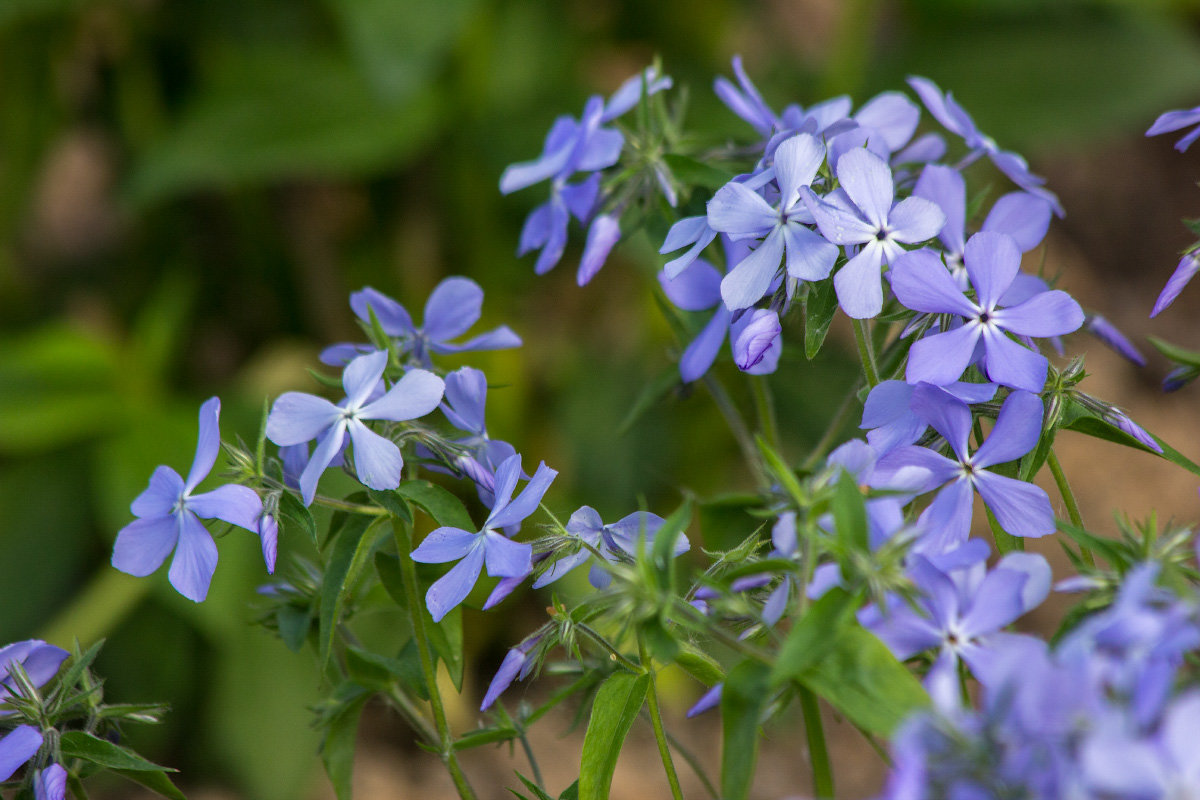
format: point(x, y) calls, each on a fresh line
point(169, 517)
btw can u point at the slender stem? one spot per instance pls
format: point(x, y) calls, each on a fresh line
point(866, 352)
point(737, 425)
point(764, 405)
point(814, 730)
point(533, 762)
point(354, 508)
point(696, 766)
point(664, 752)
point(416, 615)
point(404, 704)
point(849, 402)
point(1064, 488)
point(613, 652)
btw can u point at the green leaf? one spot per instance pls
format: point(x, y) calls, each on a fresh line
point(157, 782)
point(351, 548)
point(668, 533)
point(699, 665)
point(850, 514)
point(292, 509)
point(743, 700)
point(80, 744)
point(780, 471)
point(271, 112)
point(482, 736)
point(538, 791)
point(444, 507)
point(861, 678)
point(445, 637)
point(697, 173)
point(812, 637)
point(1105, 548)
point(571, 792)
point(393, 503)
point(818, 308)
point(613, 711)
point(1176, 353)
point(294, 624)
point(337, 749)
point(387, 566)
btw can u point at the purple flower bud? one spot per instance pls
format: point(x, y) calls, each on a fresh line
point(756, 338)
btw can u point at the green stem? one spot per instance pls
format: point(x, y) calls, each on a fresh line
point(696, 766)
point(765, 406)
point(613, 652)
point(1064, 488)
point(849, 402)
point(866, 352)
point(664, 752)
point(416, 615)
point(737, 426)
point(533, 762)
point(404, 704)
point(817, 750)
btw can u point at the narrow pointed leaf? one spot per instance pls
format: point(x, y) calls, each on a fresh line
point(743, 699)
point(613, 711)
point(444, 507)
point(350, 550)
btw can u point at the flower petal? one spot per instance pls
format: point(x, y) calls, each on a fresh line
point(452, 308)
point(750, 280)
point(50, 783)
point(992, 261)
point(1017, 430)
point(143, 544)
point(361, 377)
point(868, 181)
point(452, 588)
point(377, 460)
point(739, 211)
point(160, 497)
point(796, 163)
point(297, 418)
point(416, 394)
point(237, 505)
point(859, 285)
point(526, 502)
point(1187, 268)
point(506, 558)
point(921, 282)
point(1051, 313)
point(603, 234)
point(694, 289)
point(1010, 364)
point(809, 256)
point(208, 443)
point(1021, 215)
point(327, 448)
point(1022, 509)
point(17, 747)
point(392, 316)
point(702, 351)
point(948, 415)
point(195, 559)
point(444, 544)
point(946, 187)
point(915, 219)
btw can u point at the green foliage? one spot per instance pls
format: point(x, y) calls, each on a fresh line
point(744, 700)
point(614, 709)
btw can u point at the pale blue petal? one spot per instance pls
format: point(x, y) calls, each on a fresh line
point(947, 521)
point(339, 355)
point(947, 113)
point(750, 280)
point(702, 351)
point(992, 261)
point(1050, 313)
point(739, 211)
point(327, 448)
point(995, 603)
point(416, 394)
point(750, 344)
point(1038, 576)
point(452, 308)
point(549, 164)
point(1022, 509)
point(580, 198)
point(809, 256)
point(466, 396)
point(561, 567)
point(143, 544)
point(1021, 215)
point(859, 285)
point(868, 182)
point(915, 220)
point(452, 588)
point(501, 338)
point(921, 282)
point(686, 231)
point(445, 544)
point(208, 443)
point(946, 187)
point(237, 505)
point(160, 497)
point(377, 460)
point(17, 747)
point(297, 418)
point(942, 358)
point(694, 289)
point(946, 414)
point(507, 475)
point(838, 221)
point(514, 659)
point(526, 502)
point(796, 163)
point(268, 533)
point(195, 559)
point(891, 117)
point(1010, 364)
point(603, 234)
point(1187, 268)
point(392, 316)
point(506, 558)
point(50, 783)
point(1017, 430)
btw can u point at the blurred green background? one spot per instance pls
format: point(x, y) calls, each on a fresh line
point(190, 190)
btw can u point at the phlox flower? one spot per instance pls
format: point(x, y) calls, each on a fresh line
point(861, 212)
point(453, 307)
point(169, 517)
point(890, 421)
point(41, 662)
point(1177, 120)
point(955, 119)
point(50, 783)
point(1021, 508)
point(1187, 268)
point(613, 542)
point(742, 213)
point(488, 546)
point(992, 260)
point(297, 417)
point(518, 662)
